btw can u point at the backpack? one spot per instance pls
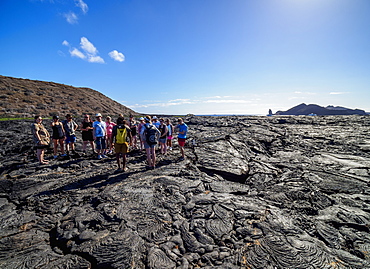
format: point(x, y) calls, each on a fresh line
point(121, 135)
point(151, 135)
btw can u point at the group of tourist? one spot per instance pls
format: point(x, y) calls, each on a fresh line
point(106, 137)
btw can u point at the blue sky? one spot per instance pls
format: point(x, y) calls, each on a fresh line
point(195, 56)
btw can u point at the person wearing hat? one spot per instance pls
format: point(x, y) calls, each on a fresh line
point(58, 136)
point(169, 134)
point(139, 128)
point(100, 135)
point(181, 137)
point(155, 122)
point(133, 126)
point(109, 124)
point(150, 134)
point(70, 127)
point(87, 133)
point(41, 138)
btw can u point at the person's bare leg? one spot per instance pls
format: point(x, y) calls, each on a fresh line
point(149, 157)
point(55, 144)
point(124, 161)
point(61, 144)
point(118, 160)
point(84, 146)
point(153, 157)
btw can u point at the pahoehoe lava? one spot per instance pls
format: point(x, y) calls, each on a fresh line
point(253, 192)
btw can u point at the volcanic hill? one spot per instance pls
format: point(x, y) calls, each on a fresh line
point(304, 109)
point(26, 98)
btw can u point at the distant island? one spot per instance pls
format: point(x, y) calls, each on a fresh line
point(313, 109)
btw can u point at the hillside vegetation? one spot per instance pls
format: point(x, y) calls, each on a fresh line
point(26, 98)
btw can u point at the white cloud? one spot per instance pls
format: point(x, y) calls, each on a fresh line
point(76, 53)
point(176, 102)
point(88, 47)
point(305, 93)
point(117, 56)
point(89, 51)
point(214, 97)
point(179, 100)
point(228, 101)
point(71, 17)
point(95, 59)
point(296, 97)
point(81, 4)
point(338, 93)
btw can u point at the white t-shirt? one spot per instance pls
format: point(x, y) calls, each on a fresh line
point(100, 128)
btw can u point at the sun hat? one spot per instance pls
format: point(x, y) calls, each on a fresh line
point(98, 115)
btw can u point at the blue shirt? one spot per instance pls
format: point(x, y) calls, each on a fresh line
point(182, 127)
point(100, 128)
point(156, 124)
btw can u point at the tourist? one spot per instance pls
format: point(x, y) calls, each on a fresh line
point(41, 138)
point(149, 134)
point(139, 128)
point(181, 137)
point(133, 126)
point(169, 134)
point(163, 136)
point(100, 135)
point(109, 126)
point(121, 136)
point(70, 127)
point(87, 133)
point(58, 136)
point(155, 122)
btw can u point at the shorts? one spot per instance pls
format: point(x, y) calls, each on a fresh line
point(70, 139)
point(41, 146)
point(147, 146)
point(121, 148)
point(163, 140)
point(87, 136)
point(181, 141)
point(170, 137)
point(100, 143)
point(133, 131)
point(58, 138)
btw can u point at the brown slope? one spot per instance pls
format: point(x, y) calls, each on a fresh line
point(26, 98)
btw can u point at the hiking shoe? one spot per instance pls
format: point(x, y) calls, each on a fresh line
point(55, 156)
point(104, 156)
point(63, 155)
point(99, 157)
